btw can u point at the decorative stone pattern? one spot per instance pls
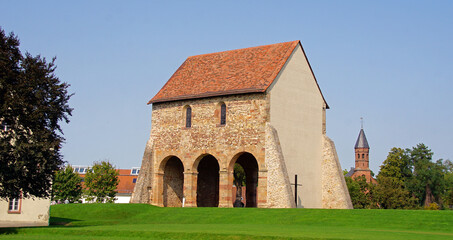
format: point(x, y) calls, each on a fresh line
point(334, 190)
point(244, 131)
point(279, 194)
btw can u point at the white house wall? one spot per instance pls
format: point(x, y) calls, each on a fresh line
point(33, 212)
point(296, 112)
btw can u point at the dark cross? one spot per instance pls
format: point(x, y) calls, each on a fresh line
point(295, 188)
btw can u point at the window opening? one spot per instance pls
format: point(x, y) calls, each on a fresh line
point(188, 117)
point(223, 114)
point(14, 205)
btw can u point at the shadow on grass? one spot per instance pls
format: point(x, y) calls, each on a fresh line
point(8, 231)
point(57, 221)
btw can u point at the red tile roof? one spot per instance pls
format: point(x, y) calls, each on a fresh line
point(125, 181)
point(126, 184)
point(246, 70)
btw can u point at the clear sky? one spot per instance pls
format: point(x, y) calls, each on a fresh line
point(390, 62)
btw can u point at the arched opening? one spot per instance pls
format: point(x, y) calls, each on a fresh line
point(173, 183)
point(208, 182)
point(250, 166)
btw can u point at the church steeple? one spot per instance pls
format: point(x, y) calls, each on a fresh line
point(361, 140)
point(362, 150)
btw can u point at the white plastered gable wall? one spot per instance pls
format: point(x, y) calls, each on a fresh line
point(33, 212)
point(296, 112)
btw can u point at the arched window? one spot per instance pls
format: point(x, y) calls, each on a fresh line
point(188, 117)
point(223, 114)
point(363, 155)
point(358, 155)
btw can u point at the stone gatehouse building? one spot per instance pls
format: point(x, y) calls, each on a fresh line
point(260, 107)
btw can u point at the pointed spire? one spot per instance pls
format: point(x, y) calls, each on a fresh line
point(361, 140)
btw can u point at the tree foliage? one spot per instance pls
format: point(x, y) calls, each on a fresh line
point(447, 196)
point(410, 179)
point(397, 165)
point(33, 102)
point(67, 185)
point(361, 192)
point(427, 181)
point(391, 193)
point(101, 181)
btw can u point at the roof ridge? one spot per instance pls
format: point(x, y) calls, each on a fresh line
point(241, 49)
point(237, 71)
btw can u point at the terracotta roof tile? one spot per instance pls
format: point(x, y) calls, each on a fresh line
point(126, 181)
point(237, 71)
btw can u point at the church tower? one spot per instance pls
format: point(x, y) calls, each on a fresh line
point(362, 150)
point(362, 160)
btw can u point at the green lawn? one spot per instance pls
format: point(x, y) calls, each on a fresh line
point(138, 221)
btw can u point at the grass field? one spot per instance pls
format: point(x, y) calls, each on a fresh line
point(138, 221)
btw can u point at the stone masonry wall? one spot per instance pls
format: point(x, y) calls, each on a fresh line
point(142, 188)
point(334, 190)
point(247, 129)
point(244, 131)
point(279, 194)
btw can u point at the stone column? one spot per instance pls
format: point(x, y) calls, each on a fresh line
point(262, 189)
point(158, 189)
point(224, 190)
point(190, 189)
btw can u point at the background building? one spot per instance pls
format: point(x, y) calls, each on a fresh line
point(126, 182)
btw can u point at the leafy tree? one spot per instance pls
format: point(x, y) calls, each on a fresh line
point(361, 192)
point(345, 171)
point(101, 181)
point(397, 165)
point(447, 196)
point(427, 181)
point(67, 185)
point(409, 178)
point(33, 102)
point(391, 193)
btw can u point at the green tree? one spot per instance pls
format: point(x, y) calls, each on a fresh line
point(67, 185)
point(361, 192)
point(447, 196)
point(345, 171)
point(410, 176)
point(390, 193)
point(427, 182)
point(397, 165)
point(101, 181)
point(33, 102)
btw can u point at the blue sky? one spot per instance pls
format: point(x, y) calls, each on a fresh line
point(390, 62)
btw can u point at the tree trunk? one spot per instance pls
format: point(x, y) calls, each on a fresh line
point(428, 196)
